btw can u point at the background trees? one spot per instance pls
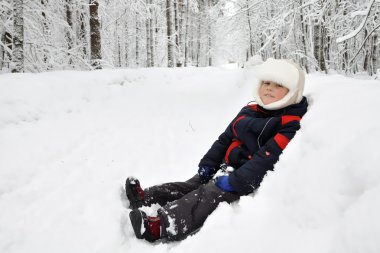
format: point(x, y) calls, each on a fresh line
point(321, 35)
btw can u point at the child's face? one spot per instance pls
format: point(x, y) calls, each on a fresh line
point(271, 92)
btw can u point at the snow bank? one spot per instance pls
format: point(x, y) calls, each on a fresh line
point(69, 139)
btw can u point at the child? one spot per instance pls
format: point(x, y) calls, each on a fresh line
point(251, 145)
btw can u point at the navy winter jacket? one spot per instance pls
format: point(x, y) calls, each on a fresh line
point(253, 142)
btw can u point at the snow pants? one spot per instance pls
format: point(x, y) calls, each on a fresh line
point(185, 205)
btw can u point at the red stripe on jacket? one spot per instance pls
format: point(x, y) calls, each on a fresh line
point(234, 144)
point(288, 118)
point(253, 107)
point(234, 124)
point(281, 140)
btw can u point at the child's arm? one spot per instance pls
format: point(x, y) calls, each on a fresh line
point(214, 156)
point(249, 176)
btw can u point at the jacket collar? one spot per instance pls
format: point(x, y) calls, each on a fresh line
point(298, 109)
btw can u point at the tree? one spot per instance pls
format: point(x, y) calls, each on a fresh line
point(18, 36)
point(96, 55)
point(170, 33)
point(319, 36)
point(70, 28)
point(66, 34)
point(150, 34)
point(6, 28)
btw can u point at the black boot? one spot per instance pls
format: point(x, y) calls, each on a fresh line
point(145, 227)
point(134, 192)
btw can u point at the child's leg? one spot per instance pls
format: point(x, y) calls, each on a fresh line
point(187, 214)
point(164, 193)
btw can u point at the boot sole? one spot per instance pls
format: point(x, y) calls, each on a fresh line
point(133, 201)
point(137, 222)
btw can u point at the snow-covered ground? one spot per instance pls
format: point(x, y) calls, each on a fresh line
point(68, 140)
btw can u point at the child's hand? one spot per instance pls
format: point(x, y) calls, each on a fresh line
point(223, 183)
point(206, 173)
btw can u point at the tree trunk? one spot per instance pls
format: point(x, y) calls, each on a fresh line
point(180, 32)
point(192, 41)
point(137, 40)
point(322, 61)
point(176, 21)
point(198, 34)
point(367, 53)
point(345, 49)
point(201, 44)
point(96, 49)
point(186, 46)
point(170, 33)
point(5, 51)
point(319, 46)
point(149, 35)
point(209, 34)
point(156, 36)
point(2, 50)
point(304, 61)
point(151, 32)
point(45, 31)
point(18, 36)
point(83, 32)
point(345, 57)
point(374, 49)
point(375, 53)
point(126, 47)
point(69, 31)
point(209, 48)
point(118, 43)
point(148, 47)
point(250, 31)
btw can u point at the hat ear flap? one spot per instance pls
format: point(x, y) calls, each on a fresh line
point(256, 93)
point(301, 84)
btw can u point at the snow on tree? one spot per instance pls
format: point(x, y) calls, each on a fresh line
point(63, 34)
point(18, 36)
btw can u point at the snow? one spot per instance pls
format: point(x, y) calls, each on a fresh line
point(68, 140)
point(172, 229)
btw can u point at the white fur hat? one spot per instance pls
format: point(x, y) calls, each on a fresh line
point(284, 72)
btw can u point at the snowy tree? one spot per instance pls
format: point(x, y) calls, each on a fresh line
point(95, 34)
point(6, 28)
point(69, 30)
point(84, 34)
point(18, 36)
point(170, 32)
point(367, 29)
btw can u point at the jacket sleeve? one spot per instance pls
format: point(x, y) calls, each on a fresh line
point(249, 176)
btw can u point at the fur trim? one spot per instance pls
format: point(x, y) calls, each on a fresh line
point(284, 72)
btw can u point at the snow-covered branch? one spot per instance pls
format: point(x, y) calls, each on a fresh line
point(360, 27)
point(360, 48)
point(5, 47)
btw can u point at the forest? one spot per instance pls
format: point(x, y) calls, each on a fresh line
point(321, 35)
